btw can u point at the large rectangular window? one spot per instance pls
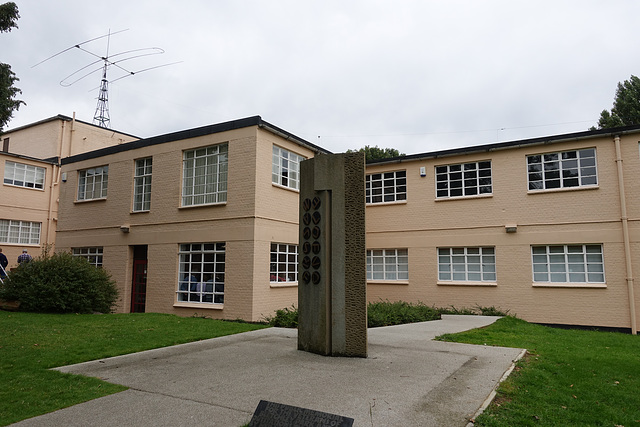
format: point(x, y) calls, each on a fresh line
point(464, 179)
point(142, 185)
point(386, 187)
point(284, 263)
point(473, 264)
point(23, 175)
point(92, 183)
point(21, 232)
point(565, 169)
point(285, 168)
point(202, 271)
point(388, 264)
point(204, 175)
point(92, 254)
point(568, 263)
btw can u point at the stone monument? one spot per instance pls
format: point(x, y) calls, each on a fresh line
point(332, 301)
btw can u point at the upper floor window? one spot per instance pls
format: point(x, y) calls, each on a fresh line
point(472, 264)
point(142, 185)
point(202, 271)
point(23, 175)
point(284, 263)
point(565, 169)
point(285, 168)
point(388, 264)
point(92, 183)
point(204, 175)
point(386, 187)
point(21, 232)
point(92, 255)
point(568, 263)
point(464, 179)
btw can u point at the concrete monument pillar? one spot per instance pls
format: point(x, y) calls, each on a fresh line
point(332, 300)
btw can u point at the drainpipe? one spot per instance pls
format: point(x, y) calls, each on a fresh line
point(625, 236)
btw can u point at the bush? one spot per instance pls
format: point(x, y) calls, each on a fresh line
point(385, 313)
point(60, 283)
point(284, 318)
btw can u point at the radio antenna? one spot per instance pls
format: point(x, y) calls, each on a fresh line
point(101, 116)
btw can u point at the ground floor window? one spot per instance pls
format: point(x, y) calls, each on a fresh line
point(568, 263)
point(201, 277)
point(21, 232)
point(284, 263)
point(388, 264)
point(93, 255)
point(472, 264)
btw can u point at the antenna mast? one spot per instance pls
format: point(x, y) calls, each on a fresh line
point(101, 116)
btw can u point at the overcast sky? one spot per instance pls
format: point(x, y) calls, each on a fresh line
point(414, 75)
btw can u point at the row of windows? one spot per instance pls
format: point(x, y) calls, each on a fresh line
point(576, 168)
point(204, 177)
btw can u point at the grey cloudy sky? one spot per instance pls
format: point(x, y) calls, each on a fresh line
point(415, 75)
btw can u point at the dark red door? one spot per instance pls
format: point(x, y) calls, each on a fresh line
point(139, 286)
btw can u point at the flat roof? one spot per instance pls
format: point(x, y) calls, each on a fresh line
point(64, 119)
point(576, 136)
point(196, 132)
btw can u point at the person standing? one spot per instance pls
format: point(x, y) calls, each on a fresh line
point(4, 262)
point(24, 257)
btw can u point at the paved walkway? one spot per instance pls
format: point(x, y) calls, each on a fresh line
point(407, 380)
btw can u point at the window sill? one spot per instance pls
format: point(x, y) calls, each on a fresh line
point(464, 283)
point(387, 282)
point(562, 190)
point(283, 284)
point(22, 186)
point(479, 196)
point(140, 212)
point(99, 199)
point(204, 205)
point(284, 187)
point(569, 285)
point(199, 305)
point(397, 202)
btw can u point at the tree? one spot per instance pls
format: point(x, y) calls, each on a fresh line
point(626, 106)
point(376, 153)
point(8, 104)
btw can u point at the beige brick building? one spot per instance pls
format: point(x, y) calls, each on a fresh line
point(29, 163)
point(204, 222)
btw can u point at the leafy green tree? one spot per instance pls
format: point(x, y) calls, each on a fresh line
point(626, 106)
point(8, 104)
point(377, 153)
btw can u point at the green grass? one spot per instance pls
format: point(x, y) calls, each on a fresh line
point(569, 377)
point(31, 344)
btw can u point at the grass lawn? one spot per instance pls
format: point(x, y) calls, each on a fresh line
point(31, 344)
point(569, 378)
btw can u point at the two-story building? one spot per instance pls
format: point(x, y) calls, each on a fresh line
point(204, 222)
point(29, 163)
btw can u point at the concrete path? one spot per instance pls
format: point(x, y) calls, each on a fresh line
point(407, 380)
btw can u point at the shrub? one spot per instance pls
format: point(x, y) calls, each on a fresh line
point(284, 318)
point(385, 313)
point(60, 283)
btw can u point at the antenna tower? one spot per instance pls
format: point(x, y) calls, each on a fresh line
point(101, 116)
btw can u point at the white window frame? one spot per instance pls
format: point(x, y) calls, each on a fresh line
point(93, 183)
point(469, 179)
point(142, 185)
point(566, 264)
point(201, 273)
point(20, 232)
point(283, 267)
point(562, 169)
point(204, 175)
point(92, 254)
point(467, 264)
point(388, 265)
point(24, 175)
point(285, 168)
point(386, 187)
